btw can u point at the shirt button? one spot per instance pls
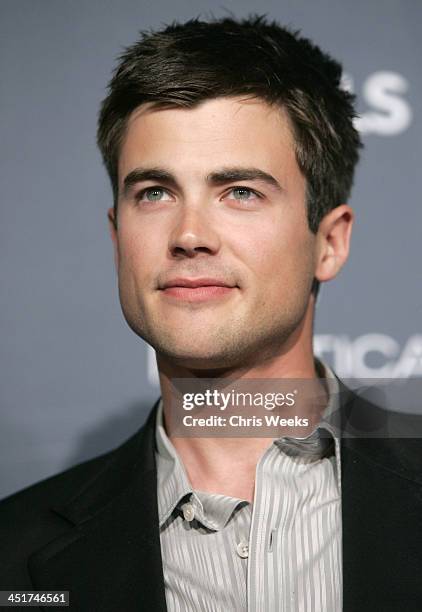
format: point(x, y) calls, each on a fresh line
point(188, 512)
point(242, 550)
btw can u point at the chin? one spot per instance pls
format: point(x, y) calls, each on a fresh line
point(194, 357)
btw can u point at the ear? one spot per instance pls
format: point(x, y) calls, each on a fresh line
point(333, 242)
point(112, 225)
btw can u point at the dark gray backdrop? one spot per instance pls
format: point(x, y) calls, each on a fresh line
point(75, 381)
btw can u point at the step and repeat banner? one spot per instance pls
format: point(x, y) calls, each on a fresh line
point(75, 381)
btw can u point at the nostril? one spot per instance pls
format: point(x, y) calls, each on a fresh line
point(190, 252)
point(183, 251)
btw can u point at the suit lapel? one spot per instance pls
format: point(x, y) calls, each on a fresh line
point(381, 520)
point(110, 559)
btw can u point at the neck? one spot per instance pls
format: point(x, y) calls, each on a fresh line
point(227, 465)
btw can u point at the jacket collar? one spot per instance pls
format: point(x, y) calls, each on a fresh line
point(381, 511)
point(111, 556)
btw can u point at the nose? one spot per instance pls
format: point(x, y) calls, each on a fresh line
point(193, 233)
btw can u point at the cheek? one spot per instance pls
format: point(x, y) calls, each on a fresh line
point(278, 259)
point(270, 244)
point(136, 256)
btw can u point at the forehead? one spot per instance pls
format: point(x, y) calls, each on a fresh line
point(221, 131)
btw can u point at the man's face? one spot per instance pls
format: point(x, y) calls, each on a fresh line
point(213, 196)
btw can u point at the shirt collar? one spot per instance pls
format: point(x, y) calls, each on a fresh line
point(331, 418)
point(173, 485)
point(213, 510)
point(329, 421)
point(174, 489)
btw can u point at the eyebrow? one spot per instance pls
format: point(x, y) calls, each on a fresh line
point(219, 177)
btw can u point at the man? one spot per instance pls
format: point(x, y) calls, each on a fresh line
point(231, 150)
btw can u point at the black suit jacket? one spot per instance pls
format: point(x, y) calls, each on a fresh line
point(93, 530)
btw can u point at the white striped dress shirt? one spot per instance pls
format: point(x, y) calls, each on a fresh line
point(280, 554)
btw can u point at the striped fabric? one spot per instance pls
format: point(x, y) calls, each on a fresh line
point(281, 553)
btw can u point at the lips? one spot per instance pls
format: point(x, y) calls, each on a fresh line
point(196, 289)
point(194, 283)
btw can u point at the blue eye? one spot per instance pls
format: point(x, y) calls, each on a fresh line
point(244, 194)
point(153, 194)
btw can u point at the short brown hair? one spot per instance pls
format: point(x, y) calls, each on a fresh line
point(187, 63)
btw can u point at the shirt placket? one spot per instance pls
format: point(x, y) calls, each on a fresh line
point(259, 544)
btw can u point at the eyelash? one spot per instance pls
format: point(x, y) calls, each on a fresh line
point(139, 196)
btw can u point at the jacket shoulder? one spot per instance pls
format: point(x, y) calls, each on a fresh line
point(42, 493)
point(28, 520)
point(389, 438)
